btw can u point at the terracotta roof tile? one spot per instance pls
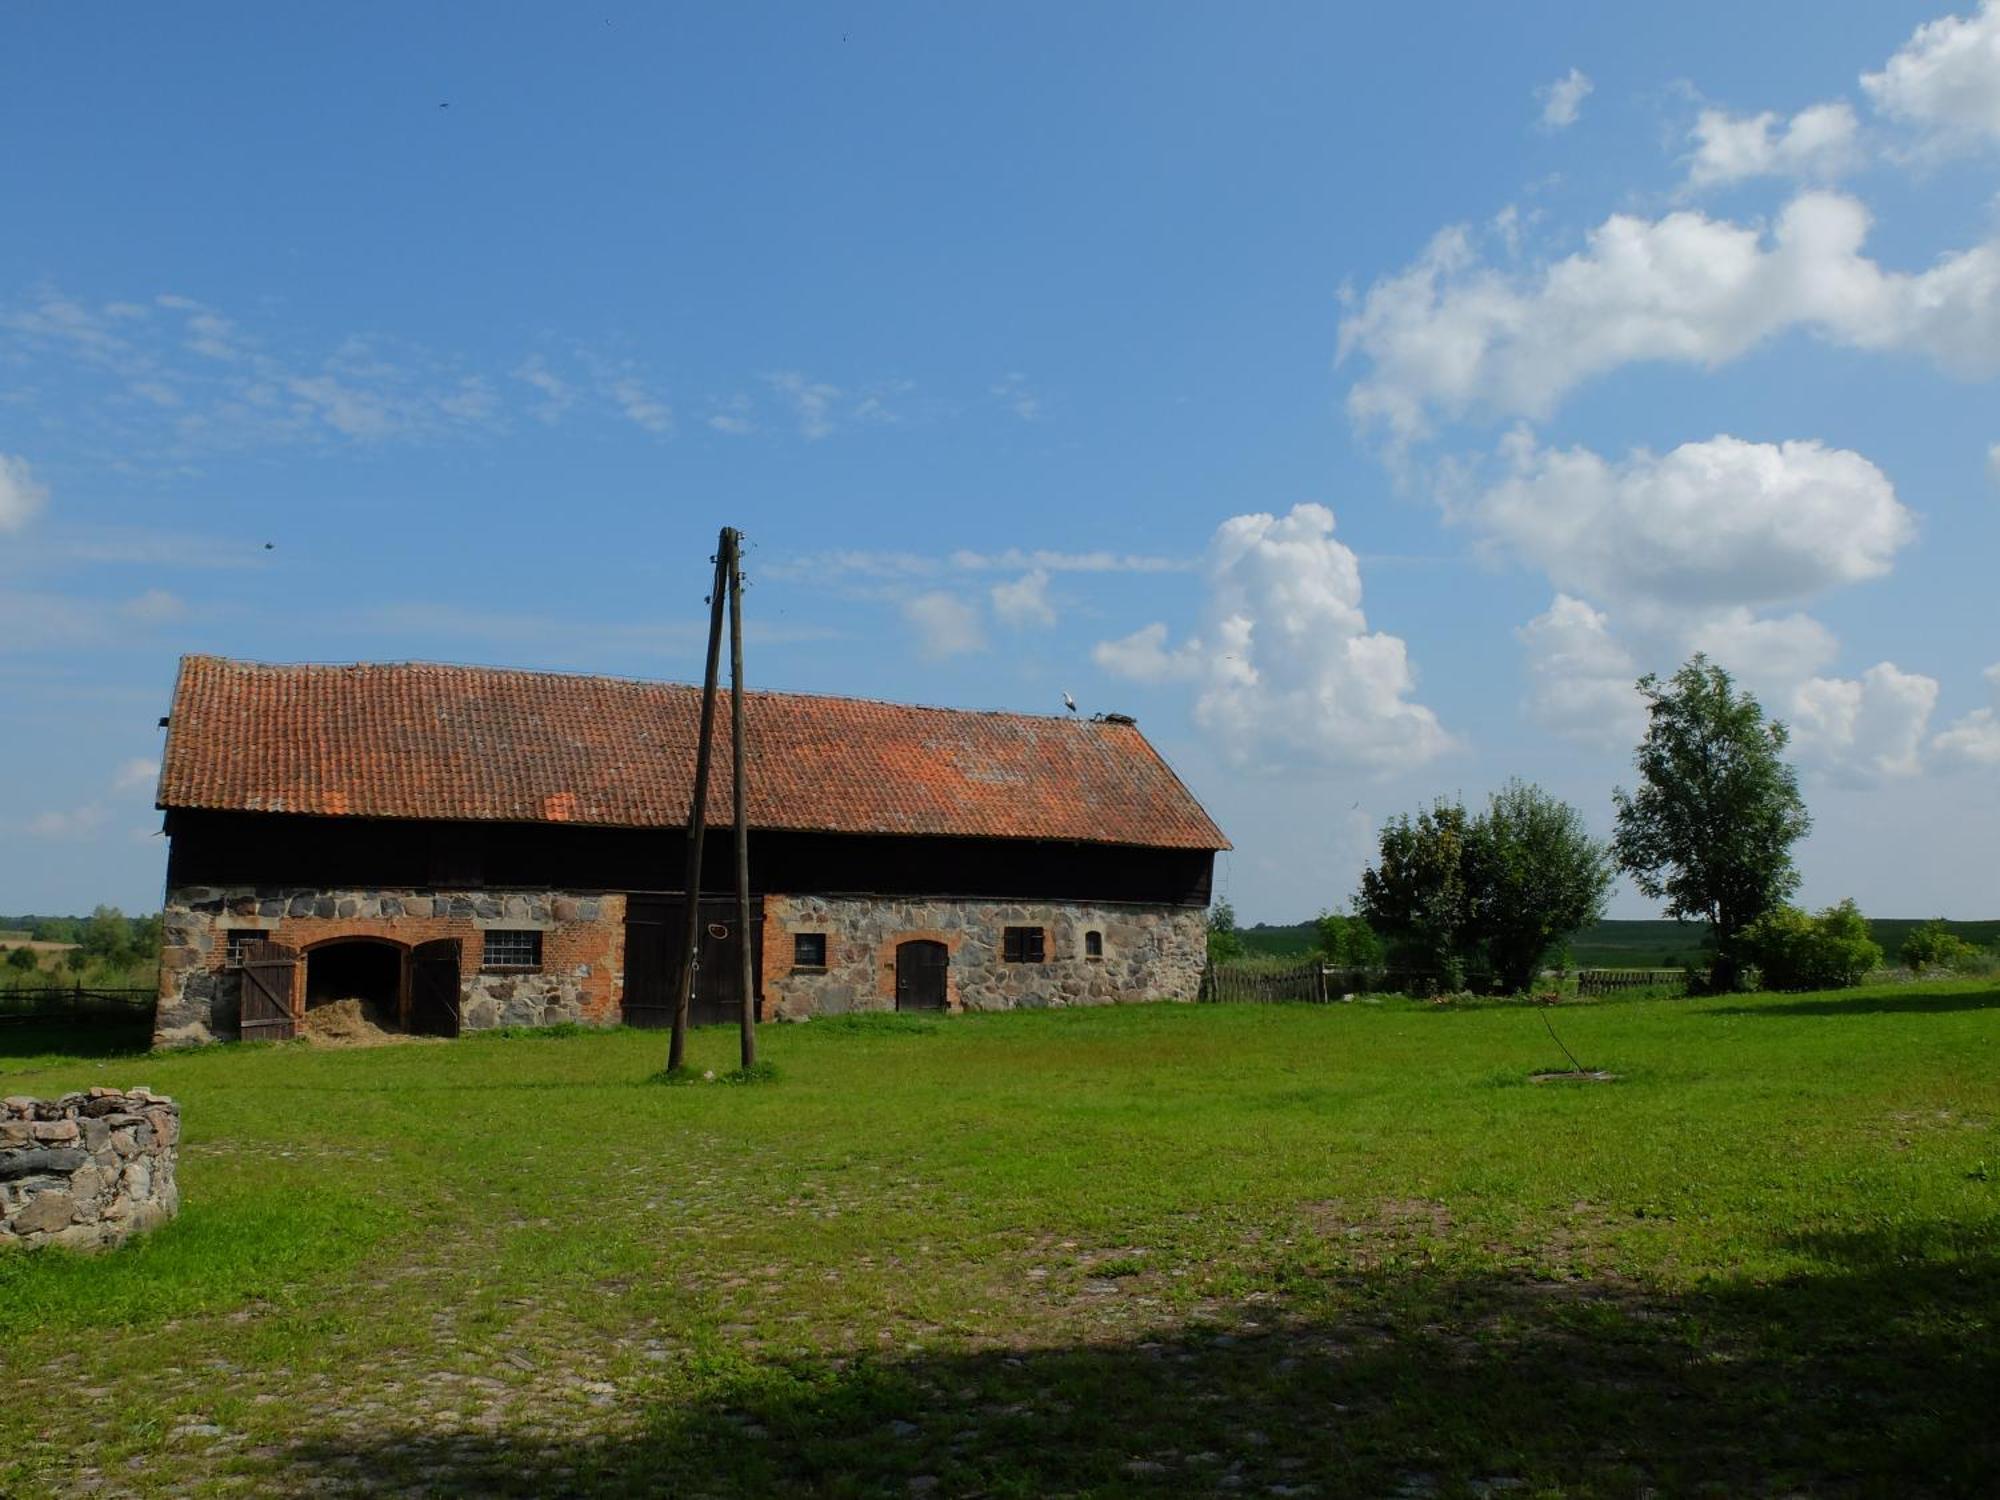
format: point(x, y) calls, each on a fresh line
point(414, 740)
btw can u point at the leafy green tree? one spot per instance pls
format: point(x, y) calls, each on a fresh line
point(1348, 942)
point(1710, 829)
point(1224, 941)
point(1416, 895)
point(1935, 946)
point(76, 960)
point(107, 936)
point(1794, 951)
point(1537, 876)
point(22, 960)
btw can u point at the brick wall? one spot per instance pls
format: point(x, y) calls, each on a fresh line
point(583, 948)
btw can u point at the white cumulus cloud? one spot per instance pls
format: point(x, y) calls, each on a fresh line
point(945, 625)
point(1452, 336)
point(1582, 678)
point(1819, 143)
point(1024, 600)
point(1716, 523)
point(1562, 101)
point(1946, 80)
point(1286, 671)
point(1769, 652)
point(20, 496)
point(1975, 739)
point(1871, 725)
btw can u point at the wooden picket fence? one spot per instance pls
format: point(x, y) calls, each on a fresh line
point(1312, 983)
point(1612, 981)
point(75, 1003)
point(1318, 984)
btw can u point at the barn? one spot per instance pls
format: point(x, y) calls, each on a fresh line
point(466, 847)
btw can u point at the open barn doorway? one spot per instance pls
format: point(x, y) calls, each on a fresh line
point(354, 986)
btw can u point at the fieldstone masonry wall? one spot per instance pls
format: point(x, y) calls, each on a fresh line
point(1150, 952)
point(86, 1170)
point(583, 949)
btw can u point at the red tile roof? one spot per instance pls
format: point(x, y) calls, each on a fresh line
point(414, 740)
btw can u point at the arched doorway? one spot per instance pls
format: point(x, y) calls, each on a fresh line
point(362, 970)
point(922, 967)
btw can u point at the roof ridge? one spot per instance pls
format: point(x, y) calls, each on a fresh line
point(623, 678)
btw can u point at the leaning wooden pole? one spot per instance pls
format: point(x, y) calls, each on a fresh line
point(733, 549)
point(698, 816)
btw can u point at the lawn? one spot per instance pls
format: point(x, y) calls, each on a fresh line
point(1261, 1250)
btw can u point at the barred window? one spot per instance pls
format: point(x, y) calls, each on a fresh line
point(235, 938)
point(1093, 945)
point(809, 950)
point(1021, 945)
point(512, 950)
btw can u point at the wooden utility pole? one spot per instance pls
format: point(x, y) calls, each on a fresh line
point(732, 549)
point(698, 809)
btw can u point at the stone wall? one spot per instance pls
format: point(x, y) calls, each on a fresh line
point(86, 1170)
point(583, 949)
point(1150, 952)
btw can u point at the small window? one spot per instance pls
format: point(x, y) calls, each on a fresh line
point(512, 950)
point(809, 950)
point(1093, 945)
point(1022, 945)
point(235, 938)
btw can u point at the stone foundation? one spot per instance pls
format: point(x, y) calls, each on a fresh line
point(583, 949)
point(88, 1170)
point(1149, 952)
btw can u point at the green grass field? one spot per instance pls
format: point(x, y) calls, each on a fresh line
point(1264, 1250)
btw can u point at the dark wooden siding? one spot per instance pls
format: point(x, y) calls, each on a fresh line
point(217, 848)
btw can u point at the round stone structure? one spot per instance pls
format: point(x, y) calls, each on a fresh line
point(88, 1170)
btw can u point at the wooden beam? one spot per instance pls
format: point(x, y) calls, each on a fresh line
point(698, 815)
point(733, 549)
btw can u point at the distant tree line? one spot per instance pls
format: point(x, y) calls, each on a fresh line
point(105, 942)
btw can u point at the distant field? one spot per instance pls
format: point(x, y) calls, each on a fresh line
point(1632, 944)
point(1136, 1251)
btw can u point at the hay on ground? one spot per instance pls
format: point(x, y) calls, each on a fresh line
point(351, 1023)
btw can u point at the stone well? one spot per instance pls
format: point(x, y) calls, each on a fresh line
point(88, 1170)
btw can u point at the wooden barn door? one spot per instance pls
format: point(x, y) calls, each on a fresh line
point(921, 967)
point(653, 930)
point(434, 992)
point(270, 975)
point(648, 978)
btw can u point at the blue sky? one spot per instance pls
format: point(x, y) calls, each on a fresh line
point(1362, 398)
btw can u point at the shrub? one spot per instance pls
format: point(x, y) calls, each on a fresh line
point(1349, 942)
point(1224, 941)
point(1797, 951)
point(1936, 946)
point(22, 960)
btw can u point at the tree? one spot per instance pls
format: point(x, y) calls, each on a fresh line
point(1537, 877)
point(107, 937)
point(1794, 951)
point(1711, 828)
point(1224, 941)
point(1935, 946)
point(22, 960)
point(1416, 894)
point(1348, 942)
